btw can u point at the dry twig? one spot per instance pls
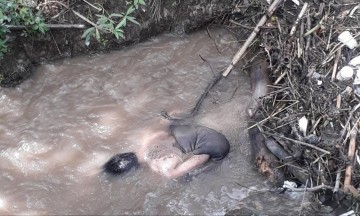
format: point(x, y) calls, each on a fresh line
point(338, 54)
point(301, 14)
point(351, 152)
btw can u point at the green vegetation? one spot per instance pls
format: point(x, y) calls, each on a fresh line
point(114, 23)
point(14, 12)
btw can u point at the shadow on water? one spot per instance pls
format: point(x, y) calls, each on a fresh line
point(61, 126)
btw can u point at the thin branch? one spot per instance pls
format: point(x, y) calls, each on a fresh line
point(241, 25)
point(93, 6)
point(338, 54)
point(301, 14)
point(301, 143)
point(272, 115)
point(86, 19)
point(338, 46)
point(315, 28)
point(303, 198)
point(337, 181)
point(348, 121)
point(50, 26)
point(312, 189)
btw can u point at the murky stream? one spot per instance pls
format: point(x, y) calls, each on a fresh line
point(59, 127)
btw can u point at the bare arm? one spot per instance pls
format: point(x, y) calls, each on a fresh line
point(185, 167)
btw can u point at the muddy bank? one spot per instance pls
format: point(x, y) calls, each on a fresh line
point(156, 17)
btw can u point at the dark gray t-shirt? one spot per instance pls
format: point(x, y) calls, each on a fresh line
point(200, 140)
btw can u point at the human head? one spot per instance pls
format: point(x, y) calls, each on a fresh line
point(121, 163)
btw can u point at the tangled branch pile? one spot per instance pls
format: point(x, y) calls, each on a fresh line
point(310, 118)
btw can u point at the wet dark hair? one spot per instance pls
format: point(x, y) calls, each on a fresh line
point(121, 163)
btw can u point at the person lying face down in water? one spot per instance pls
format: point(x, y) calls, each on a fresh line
point(173, 152)
point(167, 150)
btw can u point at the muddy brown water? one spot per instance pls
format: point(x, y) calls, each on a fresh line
point(60, 126)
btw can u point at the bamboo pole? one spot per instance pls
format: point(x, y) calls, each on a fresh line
point(252, 36)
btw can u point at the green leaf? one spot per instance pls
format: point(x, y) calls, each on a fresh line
point(111, 22)
point(132, 19)
point(3, 46)
point(2, 17)
point(130, 10)
point(10, 4)
point(87, 40)
point(119, 32)
point(23, 11)
point(136, 4)
point(110, 26)
point(142, 2)
point(37, 19)
point(42, 28)
point(97, 34)
point(102, 19)
point(89, 31)
point(3, 30)
point(8, 18)
point(122, 23)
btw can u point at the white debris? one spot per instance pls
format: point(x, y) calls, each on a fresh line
point(296, 2)
point(345, 73)
point(347, 39)
point(355, 61)
point(315, 75)
point(303, 123)
point(349, 213)
point(347, 90)
point(319, 82)
point(289, 184)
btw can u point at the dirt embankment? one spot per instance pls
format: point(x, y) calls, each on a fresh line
point(156, 17)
